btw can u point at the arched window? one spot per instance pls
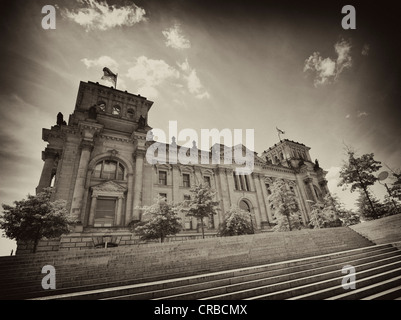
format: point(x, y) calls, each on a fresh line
point(102, 106)
point(116, 111)
point(109, 170)
point(130, 114)
point(244, 206)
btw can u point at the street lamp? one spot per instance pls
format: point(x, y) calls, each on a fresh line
point(383, 176)
point(317, 221)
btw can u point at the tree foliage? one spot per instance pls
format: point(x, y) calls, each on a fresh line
point(365, 203)
point(391, 205)
point(159, 221)
point(236, 222)
point(358, 173)
point(202, 204)
point(325, 214)
point(36, 217)
point(395, 189)
point(349, 217)
point(285, 206)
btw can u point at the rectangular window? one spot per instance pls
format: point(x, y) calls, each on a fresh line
point(207, 181)
point(186, 181)
point(105, 212)
point(163, 177)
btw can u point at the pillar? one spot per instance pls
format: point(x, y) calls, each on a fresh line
point(128, 213)
point(76, 206)
point(119, 210)
point(259, 196)
point(139, 155)
point(49, 157)
point(92, 211)
point(265, 199)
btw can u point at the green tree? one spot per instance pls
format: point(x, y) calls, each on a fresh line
point(159, 221)
point(391, 205)
point(349, 217)
point(236, 222)
point(396, 186)
point(35, 218)
point(285, 206)
point(202, 204)
point(365, 204)
point(325, 214)
point(358, 172)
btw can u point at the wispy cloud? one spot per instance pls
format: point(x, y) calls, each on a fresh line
point(175, 38)
point(100, 63)
point(362, 114)
point(99, 15)
point(328, 70)
point(103, 61)
point(150, 73)
point(193, 82)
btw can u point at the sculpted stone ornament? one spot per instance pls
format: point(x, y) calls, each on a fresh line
point(60, 119)
point(109, 187)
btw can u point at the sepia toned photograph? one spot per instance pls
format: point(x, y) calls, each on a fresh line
point(200, 150)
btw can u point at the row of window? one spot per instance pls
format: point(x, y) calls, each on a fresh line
point(117, 110)
point(241, 182)
point(114, 170)
point(298, 155)
point(186, 179)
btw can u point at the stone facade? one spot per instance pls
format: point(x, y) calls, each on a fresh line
point(97, 162)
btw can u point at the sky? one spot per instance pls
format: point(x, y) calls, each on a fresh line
point(207, 64)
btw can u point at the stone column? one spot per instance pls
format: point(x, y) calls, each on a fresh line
point(224, 194)
point(259, 196)
point(230, 184)
point(139, 155)
point(92, 211)
point(265, 199)
point(128, 213)
point(119, 210)
point(49, 157)
point(76, 206)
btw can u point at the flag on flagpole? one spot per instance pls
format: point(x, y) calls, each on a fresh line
point(280, 131)
point(109, 76)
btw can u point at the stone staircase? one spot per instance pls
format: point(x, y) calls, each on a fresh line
point(384, 230)
point(303, 264)
point(378, 276)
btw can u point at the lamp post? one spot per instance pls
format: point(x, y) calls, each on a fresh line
point(317, 221)
point(383, 176)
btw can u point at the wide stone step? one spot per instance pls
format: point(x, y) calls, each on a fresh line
point(305, 285)
point(270, 273)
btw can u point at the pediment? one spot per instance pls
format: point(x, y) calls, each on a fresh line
point(109, 186)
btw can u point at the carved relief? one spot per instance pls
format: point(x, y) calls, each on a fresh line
point(108, 188)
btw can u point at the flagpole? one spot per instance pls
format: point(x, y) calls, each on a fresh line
point(116, 81)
